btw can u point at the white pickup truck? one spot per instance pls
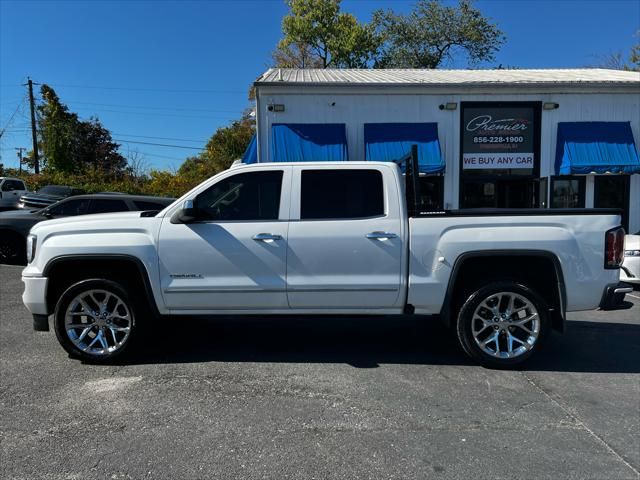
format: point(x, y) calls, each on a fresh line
point(322, 238)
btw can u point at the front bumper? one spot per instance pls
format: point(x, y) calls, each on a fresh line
point(34, 296)
point(613, 297)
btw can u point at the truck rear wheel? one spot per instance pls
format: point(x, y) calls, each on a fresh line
point(95, 320)
point(502, 324)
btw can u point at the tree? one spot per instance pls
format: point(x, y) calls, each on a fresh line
point(93, 147)
point(634, 58)
point(69, 144)
point(56, 131)
point(616, 60)
point(226, 145)
point(432, 33)
point(295, 55)
point(318, 35)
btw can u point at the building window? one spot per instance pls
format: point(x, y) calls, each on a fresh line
point(431, 193)
point(308, 142)
point(390, 142)
point(567, 192)
point(612, 191)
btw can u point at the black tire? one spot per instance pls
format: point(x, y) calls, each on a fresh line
point(504, 328)
point(12, 249)
point(112, 332)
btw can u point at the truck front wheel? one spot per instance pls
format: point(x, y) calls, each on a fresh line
point(502, 324)
point(95, 320)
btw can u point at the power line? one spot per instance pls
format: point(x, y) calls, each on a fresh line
point(160, 156)
point(151, 108)
point(158, 144)
point(138, 89)
point(161, 138)
point(154, 114)
point(11, 118)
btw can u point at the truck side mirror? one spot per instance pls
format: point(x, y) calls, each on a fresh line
point(187, 214)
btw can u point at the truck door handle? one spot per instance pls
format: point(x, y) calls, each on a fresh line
point(381, 235)
point(266, 237)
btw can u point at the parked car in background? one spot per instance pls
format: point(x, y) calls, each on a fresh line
point(48, 196)
point(630, 269)
point(11, 189)
point(15, 225)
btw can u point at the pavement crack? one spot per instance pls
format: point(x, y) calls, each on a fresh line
point(581, 424)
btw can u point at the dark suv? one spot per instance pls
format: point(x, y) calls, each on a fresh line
point(15, 225)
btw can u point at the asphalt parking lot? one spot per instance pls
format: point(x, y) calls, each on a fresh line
point(318, 398)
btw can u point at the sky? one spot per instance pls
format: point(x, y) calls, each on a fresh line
point(172, 72)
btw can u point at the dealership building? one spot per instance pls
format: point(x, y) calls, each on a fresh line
point(486, 138)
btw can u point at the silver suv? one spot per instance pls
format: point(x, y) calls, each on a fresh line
point(11, 189)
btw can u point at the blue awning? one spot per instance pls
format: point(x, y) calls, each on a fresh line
point(392, 141)
point(596, 147)
point(305, 142)
point(251, 153)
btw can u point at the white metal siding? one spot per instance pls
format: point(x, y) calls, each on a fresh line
point(370, 105)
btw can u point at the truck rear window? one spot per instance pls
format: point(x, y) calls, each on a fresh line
point(341, 194)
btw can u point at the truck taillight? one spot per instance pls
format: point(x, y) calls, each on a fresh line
point(614, 248)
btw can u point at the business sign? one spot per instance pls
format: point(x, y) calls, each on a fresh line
point(498, 137)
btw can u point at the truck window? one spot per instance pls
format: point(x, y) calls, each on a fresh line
point(69, 207)
point(107, 206)
point(336, 194)
point(246, 196)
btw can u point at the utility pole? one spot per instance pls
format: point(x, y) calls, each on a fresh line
point(36, 163)
point(20, 149)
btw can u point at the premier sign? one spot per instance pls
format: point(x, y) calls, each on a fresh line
point(497, 160)
point(498, 137)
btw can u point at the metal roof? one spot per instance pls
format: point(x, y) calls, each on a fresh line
point(428, 77)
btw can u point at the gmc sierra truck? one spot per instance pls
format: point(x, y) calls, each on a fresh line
point(322, 238)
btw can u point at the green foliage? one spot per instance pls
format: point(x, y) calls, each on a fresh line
point(318, 35)
point(158, 183)
point(69, 144)
point(432, 33)
point(56, 131)
point(225, 146)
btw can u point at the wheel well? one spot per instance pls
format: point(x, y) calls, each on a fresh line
point(20, 243)
point(540, 272)
point(13, 234)
point(67, 271)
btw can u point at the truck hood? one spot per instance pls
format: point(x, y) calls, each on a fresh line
point(21, 215)
point(99, 221)
point(41, 197)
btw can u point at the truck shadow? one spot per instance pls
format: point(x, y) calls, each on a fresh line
point(368, 342)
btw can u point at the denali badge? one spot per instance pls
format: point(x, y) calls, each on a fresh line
point(185, 275)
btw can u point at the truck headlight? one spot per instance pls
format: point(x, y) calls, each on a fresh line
point(32, 243)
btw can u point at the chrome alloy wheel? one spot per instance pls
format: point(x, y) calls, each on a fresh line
point(505, 325)
point(98, 322)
